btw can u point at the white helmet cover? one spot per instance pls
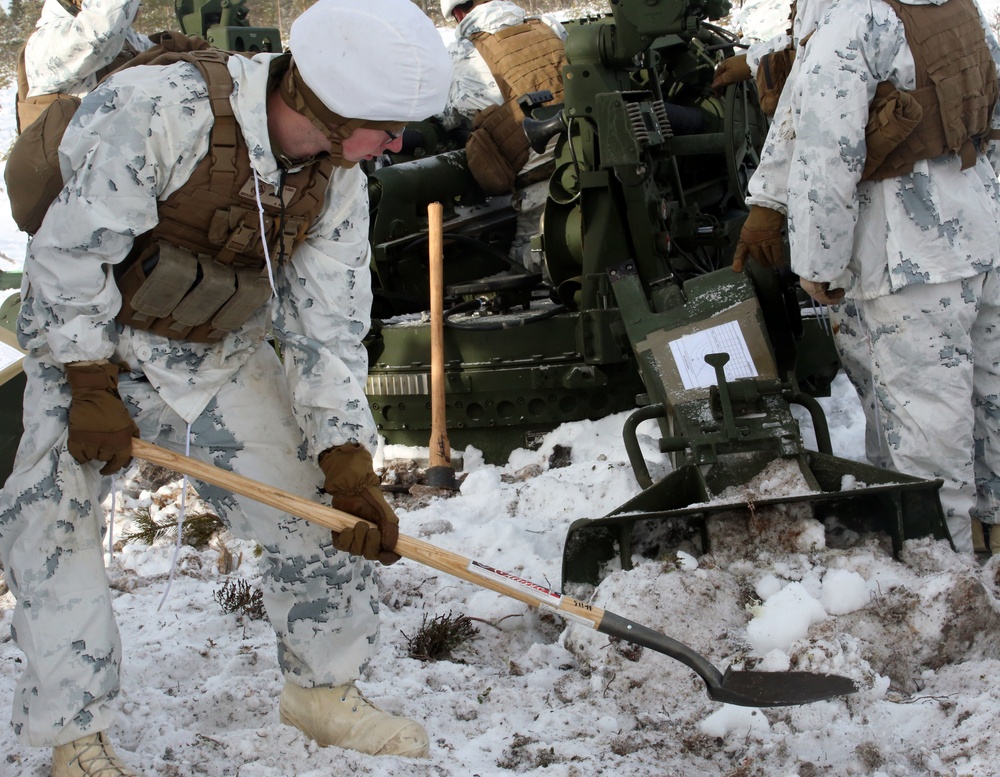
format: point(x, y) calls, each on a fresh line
point(380, 60)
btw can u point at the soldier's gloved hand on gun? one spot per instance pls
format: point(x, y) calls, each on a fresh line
point(100, 427)
point(354, 486)
point(760, 239)
point(821, 292)
point(731, 71)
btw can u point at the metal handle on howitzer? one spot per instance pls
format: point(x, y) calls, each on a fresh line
point(748, 689)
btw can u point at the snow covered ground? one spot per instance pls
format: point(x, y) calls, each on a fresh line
point(531, 695)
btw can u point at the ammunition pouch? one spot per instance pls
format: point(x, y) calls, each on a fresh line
point(178, 294)
point(772, 73)
point(497, 149)
point(892, 118)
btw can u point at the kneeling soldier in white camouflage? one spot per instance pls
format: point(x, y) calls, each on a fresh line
point(206, 199)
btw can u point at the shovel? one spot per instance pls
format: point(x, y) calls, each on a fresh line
point(743, 688)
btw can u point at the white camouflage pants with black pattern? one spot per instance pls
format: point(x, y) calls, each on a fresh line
point(322, 604)
point(936, 372)
point(853, 345)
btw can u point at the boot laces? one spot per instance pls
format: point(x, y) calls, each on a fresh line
point(96, 758)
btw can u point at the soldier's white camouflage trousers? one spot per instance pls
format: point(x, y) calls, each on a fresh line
point(854, 348)
point(529, 203)
point(322, 604)
point(936, 373)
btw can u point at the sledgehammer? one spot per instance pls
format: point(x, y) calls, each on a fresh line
point(743, 688)
point(440, 473)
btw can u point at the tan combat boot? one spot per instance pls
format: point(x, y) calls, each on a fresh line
point(89, 756)
point(995, 539)
point(341, 716)
point(978, 537)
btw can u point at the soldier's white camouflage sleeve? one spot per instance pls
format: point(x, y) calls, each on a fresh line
point(64, 52)
point(835, 83)
point(757, 51)
point(322, 316)
point(128, 144)
point(768, 186)
point(472, 89)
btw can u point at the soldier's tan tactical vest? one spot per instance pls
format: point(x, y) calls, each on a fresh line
point(956, 86)
point(201, 272)
point(525, 58)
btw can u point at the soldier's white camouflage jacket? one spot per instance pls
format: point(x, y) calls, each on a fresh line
point(65, 51)
point(934, 225)
point(138, 142)
point(473, 86)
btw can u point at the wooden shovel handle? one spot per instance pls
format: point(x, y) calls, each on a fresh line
point(750, 689)
point(408, 547)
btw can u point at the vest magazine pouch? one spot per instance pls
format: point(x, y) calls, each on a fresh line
point(155, 283)
point(503, 123)
point(962, 120)
point(487, 165)
point(253, 289)
point(215, 286)
point(892, 118)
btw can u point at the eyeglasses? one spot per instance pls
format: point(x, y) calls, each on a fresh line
point(393, 136)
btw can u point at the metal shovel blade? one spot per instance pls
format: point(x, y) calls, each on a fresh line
point(778, 689)
point(746, 689)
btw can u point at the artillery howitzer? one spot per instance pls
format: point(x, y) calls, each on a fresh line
point(645, 206)
point(226, 25)
point(640, 307)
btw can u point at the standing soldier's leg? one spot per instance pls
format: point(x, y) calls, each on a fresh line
point(923, 377)
point(50, 544)
point(322, 604)
point(986, 341)
point(529, 203)
point(853, 344)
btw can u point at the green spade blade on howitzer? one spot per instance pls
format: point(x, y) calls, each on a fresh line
point(743, 688)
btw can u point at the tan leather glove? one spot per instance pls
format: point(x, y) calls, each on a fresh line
point(760, 239)
point(353, 484)
point(100, 427)
point(731, 71)
point(821, 292)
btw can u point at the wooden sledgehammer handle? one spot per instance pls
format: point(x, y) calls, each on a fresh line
point(439, 472)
